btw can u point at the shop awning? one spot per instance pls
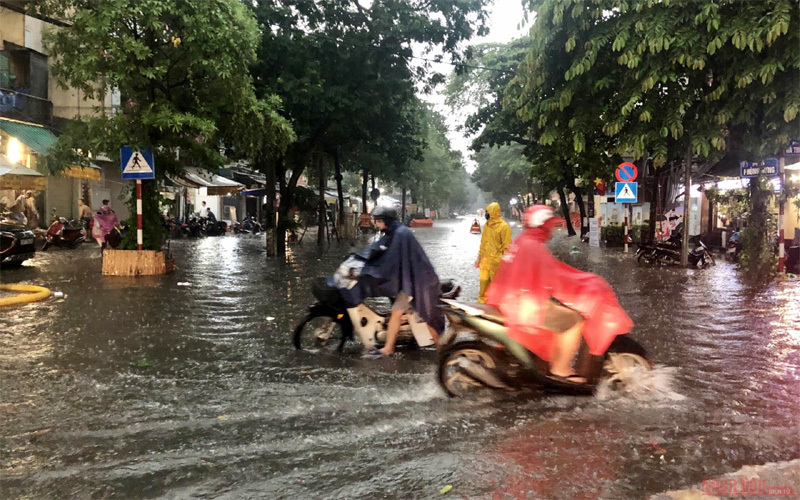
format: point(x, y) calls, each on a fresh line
point(15, 176)
point(41, 140)
point(215, 185)
point(34, 136)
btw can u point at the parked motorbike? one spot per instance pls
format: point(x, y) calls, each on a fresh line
point(63, 233)
point(16, 242)
point(477, 353)
point(213, 228)
point(247, 226)
point(330, 323)
point(669, 252)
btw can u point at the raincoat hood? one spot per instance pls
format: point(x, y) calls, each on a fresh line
point(495, 216)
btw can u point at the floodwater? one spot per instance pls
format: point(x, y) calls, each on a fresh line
point(188, 386)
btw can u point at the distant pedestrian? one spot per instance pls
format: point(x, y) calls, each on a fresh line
point(495, 240)
point(105, 221)
point(30, 210)
point(84, 214)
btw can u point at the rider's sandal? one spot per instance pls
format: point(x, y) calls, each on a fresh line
point(375, 354)
point(567, 379)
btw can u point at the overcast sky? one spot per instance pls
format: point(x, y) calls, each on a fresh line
point(504, 24)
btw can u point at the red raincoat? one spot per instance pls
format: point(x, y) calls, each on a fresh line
point(529, 275)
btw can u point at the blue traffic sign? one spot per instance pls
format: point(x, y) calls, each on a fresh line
point(626, 192)
point(137, 164)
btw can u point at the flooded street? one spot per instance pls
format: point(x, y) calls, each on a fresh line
point(188, 386)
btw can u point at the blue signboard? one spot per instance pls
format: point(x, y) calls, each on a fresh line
point(137, 164)
point(750, 169)
point(626, 192)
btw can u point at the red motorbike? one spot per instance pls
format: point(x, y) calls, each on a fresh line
point(64, 233)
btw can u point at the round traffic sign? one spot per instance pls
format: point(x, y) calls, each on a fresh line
point(626, 172)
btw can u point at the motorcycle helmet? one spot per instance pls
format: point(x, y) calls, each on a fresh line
point(386, 214)
point(538, 216)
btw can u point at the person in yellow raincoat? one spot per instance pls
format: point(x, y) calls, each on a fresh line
point(495, 240)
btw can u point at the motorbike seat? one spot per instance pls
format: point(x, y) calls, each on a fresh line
point(476, 309)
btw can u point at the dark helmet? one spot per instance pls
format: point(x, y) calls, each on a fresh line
point(384, 213)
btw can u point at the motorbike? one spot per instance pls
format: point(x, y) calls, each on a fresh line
point(63, 233)
point(669, 252)
point(330, 323)
point(733, 247)
point(248, 225)
point(213, 228)
point(16, 242)
point(477, 353)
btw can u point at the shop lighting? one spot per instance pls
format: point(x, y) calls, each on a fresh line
point(14, 150)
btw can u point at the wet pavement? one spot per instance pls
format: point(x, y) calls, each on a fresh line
point(187, 386)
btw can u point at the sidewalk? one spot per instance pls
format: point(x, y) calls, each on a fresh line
point(768, 481)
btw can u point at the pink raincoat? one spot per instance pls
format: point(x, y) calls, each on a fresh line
point(104, 223)
point(529, 275)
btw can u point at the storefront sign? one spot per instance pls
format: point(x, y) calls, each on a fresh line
point(768, 169)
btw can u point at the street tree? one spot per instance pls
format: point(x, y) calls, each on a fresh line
point(181, 69)
point(666, 78)
point(339, 61)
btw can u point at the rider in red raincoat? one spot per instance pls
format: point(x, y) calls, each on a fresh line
point(526, 284)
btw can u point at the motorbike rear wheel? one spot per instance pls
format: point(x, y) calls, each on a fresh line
point(318, 333)
point(623, 357)
point(466, 367)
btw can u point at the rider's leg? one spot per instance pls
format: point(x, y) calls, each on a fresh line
point(392, 329)
point(564, 351)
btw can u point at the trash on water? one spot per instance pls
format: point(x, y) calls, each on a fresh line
point(223, 417)
point(270, 318)
point(574, 250)
point(58, 295)
point(446, 489)
point(184, 283)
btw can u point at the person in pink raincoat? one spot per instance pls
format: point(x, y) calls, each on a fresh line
point(104, 222)
point(532, 288)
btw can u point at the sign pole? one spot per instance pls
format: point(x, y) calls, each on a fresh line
point(626, 205)
point(138, 214)
point(781, 247)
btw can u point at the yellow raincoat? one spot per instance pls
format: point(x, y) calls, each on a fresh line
point(495, 240)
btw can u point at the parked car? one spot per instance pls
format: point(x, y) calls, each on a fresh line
point(16, 242)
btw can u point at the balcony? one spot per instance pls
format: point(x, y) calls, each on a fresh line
point(21, 106)
point(23, 85)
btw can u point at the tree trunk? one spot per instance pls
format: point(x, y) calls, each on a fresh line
point(338, 172)
point(581, 208)
point(364, 180)
point(655, 196)
point(403, 207)
point(565, 211)
point(268, 167)
point(687, 185)
point(321, 211)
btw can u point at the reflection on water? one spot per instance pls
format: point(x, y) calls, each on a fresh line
point(139, 388)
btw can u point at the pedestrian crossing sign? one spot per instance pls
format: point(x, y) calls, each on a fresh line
point(137, 164)
point(626, 192)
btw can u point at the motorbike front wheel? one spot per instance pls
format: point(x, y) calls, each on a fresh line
point(467, 367)
point(319, 332)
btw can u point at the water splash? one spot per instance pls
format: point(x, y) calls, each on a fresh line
point(637, 384)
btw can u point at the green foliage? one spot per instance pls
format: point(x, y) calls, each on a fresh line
point(153, 232)
point(614, 236)
point(181, 68)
